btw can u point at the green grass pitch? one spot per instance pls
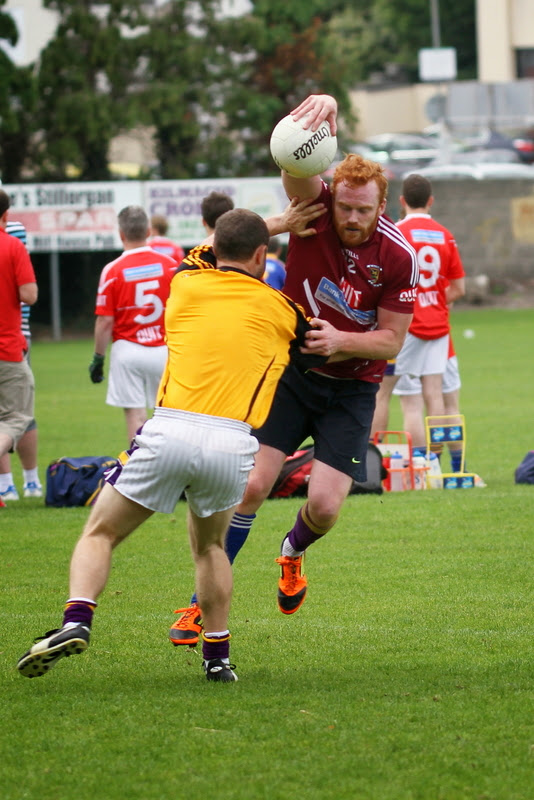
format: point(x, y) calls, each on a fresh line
point(407, 674)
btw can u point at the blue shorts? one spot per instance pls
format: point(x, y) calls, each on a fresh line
point(336, 414)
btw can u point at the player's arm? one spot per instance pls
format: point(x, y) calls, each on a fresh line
point(302, 187)
point(103, 332)
point(382, 343)
point(295, 218)
point(28, 293)
point(455, 290)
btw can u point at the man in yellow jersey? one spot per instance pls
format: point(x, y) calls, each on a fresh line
point(230, 337)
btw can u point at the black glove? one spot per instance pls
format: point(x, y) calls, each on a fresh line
point(96, 368)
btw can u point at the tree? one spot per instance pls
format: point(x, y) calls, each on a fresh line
point(179, 62)
point(17, 99)
point(85, 77)
point(216, 86)
point(387, 33)
point(281, 58)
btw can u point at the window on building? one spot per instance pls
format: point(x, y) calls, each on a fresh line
point(525, 62)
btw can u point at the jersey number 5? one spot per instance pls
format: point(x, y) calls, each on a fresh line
point(144, 297)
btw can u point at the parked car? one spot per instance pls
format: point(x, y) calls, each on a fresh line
point(396, 152)
point(476, 170)
point(523, 142)
point(520, 142)
point(402, 151)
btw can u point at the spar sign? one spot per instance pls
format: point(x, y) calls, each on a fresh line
point(72, 217)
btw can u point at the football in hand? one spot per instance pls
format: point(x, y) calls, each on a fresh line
point(302, 153)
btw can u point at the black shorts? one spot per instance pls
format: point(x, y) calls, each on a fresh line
point(336, 414)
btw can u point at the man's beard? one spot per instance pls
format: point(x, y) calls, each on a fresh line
point(353, 238)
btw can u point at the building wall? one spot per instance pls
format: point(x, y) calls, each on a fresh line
point(399, 110)
point(492, 221)
point(502, 27)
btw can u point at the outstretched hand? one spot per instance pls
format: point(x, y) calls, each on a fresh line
point(318, 107)
point(299, 213)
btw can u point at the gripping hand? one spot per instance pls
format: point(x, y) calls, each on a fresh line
point(96, 368)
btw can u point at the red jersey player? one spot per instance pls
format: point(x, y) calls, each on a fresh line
point(130, 307)
point(160, 242)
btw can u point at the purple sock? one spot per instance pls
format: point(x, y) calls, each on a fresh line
point(80, 611)
point(215, 646)
point(301, 535)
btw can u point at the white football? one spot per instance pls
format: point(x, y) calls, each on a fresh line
point(302, 153)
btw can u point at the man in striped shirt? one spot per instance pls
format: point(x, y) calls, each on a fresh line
point(27, 445)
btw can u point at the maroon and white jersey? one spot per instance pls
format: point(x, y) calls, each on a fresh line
point(347, 286)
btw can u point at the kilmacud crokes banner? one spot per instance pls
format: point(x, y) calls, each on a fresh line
point(180, 202)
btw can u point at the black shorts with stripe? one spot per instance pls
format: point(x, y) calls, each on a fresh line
point(336, 414)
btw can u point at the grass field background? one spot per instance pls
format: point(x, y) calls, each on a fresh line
point(407, 674)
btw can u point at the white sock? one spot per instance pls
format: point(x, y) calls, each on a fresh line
point(30, 475)
point(6, 480)
point(287, 550)
point(74, 625)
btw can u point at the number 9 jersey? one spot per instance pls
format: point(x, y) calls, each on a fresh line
point(439, 263)
point(134, 290)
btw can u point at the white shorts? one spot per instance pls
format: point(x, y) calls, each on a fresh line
point(134, 374)
point(422, 356)
point(207, 457)
point(451, 380)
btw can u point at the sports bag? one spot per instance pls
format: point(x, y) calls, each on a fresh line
point(525, 471)
point(76, 481)
point(295, 474)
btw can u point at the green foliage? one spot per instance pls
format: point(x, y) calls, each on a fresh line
point(180, 61)
point(17, 103)
point(85, 75)
point(211, 88)
point(216, 87)
point(388, 34)
point(279, 57)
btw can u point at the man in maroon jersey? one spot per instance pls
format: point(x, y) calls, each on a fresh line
point(357, 278)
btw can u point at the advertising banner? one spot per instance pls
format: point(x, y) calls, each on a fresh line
point(72, 217)
point(81, 217)
point(179, 202)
